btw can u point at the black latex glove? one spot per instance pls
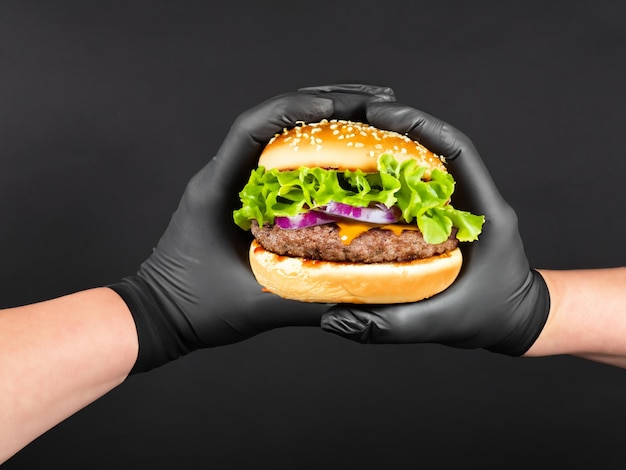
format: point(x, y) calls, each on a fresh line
point(196, 290)
point(498, 302)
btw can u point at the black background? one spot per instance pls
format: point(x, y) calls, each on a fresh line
point(108, 108)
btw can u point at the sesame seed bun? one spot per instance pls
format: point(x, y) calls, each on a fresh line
point(342, 145)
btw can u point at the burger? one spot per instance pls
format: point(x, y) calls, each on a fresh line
point(343, 212)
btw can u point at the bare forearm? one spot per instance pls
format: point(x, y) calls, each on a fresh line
point(587, 315)
point(58, 356)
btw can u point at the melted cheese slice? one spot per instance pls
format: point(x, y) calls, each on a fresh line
point(350, 229)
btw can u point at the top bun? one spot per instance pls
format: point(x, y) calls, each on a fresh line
point(342, 145)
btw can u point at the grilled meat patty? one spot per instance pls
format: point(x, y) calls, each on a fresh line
point(322, 242)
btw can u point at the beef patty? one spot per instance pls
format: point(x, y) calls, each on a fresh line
point(322, 242)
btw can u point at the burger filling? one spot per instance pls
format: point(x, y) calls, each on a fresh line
point(400, 213)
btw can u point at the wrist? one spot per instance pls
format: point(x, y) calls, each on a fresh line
point(586, 315)
point(532, 307)
point(159, 341)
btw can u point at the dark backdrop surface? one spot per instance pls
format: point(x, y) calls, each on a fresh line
point(108, 108)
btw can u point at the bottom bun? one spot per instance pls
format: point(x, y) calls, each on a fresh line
point(357, 283)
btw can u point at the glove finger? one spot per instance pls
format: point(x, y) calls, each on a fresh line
point(343, 96)
point(369, 323)
point(350, 323)
point(380, 93)
point(476, 188)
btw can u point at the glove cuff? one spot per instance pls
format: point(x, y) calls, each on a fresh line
point(158, 341)
point(536, 298)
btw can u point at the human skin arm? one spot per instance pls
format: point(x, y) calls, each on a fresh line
point(587, 315)
point(58, 356)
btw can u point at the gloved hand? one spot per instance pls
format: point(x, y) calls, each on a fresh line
point(196, 290)
point(498, 302)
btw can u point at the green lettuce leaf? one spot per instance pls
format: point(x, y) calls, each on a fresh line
point(273, 193)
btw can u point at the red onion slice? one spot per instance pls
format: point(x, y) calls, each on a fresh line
point(380, 214)
point(334, 211)
point(307, 219)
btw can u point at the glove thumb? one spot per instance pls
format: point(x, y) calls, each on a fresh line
point(355, 323)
